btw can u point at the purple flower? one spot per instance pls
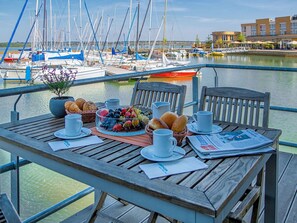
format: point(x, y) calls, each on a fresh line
point(58, 80)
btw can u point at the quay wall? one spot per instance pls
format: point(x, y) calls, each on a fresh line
point(284, 53)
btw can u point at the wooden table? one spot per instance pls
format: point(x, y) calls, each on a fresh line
point(113, 167)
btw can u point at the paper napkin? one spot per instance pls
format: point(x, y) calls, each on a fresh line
point(66, 144)
point(161, 169)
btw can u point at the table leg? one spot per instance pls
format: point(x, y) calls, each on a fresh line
point(99, 201)
point(271, 189)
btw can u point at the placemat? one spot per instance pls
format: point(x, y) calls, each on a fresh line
point(139, 140)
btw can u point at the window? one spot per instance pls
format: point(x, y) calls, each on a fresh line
point(262, 29)
point(283, 28)
point(272, 28)
point(294, 27)
point(253, 31)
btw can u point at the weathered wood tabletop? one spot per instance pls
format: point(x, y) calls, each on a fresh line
point(113, 167)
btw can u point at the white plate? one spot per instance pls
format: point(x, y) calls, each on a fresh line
point(61, 134)
point(148, 153)
point(132, 133)
point(192, 127)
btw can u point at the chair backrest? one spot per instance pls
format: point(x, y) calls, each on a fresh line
point(236, 105)
point(8, 213)
point(145, 93)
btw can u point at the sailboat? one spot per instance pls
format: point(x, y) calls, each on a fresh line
point(171, 64)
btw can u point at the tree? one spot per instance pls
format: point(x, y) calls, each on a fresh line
point(197, 41)
point(208, 42)
point(219, 42)
point(241, 37)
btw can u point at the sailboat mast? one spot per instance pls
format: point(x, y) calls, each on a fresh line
point(44, 31)
point(35, 28)
point(80, 25)
point(51, 25)
point(69, 35)
point(164, 32)
point(130, 22)
point(137, 27)
point(150, 28)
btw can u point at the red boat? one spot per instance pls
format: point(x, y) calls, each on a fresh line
point(181, 73)
point(10, 59)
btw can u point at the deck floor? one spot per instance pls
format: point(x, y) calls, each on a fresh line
point(114, 211)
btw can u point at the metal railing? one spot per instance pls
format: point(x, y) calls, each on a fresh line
point(194, 104)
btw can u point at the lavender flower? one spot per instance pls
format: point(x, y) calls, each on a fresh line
point(59, 79)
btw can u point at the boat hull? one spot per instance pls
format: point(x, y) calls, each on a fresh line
point(183, 73)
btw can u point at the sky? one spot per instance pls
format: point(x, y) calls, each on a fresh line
point(185, 19)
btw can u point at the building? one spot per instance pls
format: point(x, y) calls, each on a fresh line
point(281, 29)
point(224, 37)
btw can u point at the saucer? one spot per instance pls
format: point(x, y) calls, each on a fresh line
point(148, 153)
point(193, 128)
point(61, 134)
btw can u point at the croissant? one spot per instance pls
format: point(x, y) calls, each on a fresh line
point(80, 102)
point(67, 104)
point(73, 108)
point(89, 106)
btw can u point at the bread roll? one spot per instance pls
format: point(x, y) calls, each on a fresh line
point(67, 104)
point(156, 123)
point(80, 103)
point(179, 124)
point(89, 106)
point(73, 108)
point(169, 118)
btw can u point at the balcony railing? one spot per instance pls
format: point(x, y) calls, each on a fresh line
point(17, 163)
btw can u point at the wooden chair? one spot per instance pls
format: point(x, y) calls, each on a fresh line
point(145, 93)
point(8, 213)
point(241, 106)
point(236, 105)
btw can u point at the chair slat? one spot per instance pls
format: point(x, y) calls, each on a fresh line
point(237, 105)
point(240, 108)
point(145, 93)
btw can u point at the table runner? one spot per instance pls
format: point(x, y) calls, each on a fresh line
point(139, 140)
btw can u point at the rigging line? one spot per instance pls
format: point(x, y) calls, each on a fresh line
point(107, 35)
point(85, 3)
point(35, 19)
point(147, 9)
point(122, 29)
point(14, 30)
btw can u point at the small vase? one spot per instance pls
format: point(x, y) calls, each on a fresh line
point(56, 105)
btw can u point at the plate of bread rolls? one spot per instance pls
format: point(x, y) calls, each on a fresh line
point(169, 120)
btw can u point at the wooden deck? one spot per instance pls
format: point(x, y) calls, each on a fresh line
point(114, 211)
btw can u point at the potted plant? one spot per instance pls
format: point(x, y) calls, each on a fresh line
point(59, 80)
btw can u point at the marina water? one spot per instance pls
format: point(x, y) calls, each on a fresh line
point(41, 188)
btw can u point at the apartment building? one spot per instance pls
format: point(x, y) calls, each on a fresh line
point(280, 29)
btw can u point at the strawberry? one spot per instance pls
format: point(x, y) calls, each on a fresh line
point(117, 128)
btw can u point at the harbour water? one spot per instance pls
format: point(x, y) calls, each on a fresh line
point(41, 188)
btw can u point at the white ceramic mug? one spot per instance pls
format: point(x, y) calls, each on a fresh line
point(204, 121)
point(73, 124)
point(164, 142)
point(112, 103)
point(159, 108)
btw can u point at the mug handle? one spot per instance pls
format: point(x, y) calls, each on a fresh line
point(174, 143)
point(194, 117)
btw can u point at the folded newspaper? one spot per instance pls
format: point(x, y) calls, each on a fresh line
point(224, 144)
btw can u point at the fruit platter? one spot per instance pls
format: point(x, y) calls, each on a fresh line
point(124, 121)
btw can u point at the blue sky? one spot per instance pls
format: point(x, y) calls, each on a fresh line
point(185, 18)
